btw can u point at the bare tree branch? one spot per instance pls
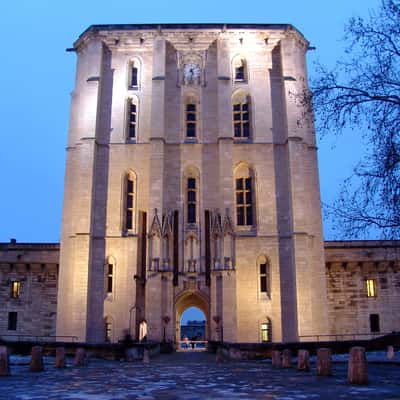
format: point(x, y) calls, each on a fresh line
point(363, 92)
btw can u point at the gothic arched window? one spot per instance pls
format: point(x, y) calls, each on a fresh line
point(239, 69)
point(266, 331)
point(108, 327)
point(264, 276)
point(241, 110)
point(244, 196)
point(134, 72)
point(109, 276)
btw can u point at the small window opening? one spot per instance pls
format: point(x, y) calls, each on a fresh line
point(110, 271)
point(12, 321)
point(15, 289)
point(371, 287)
point(239, 73)
point(374, 323)
point(266, 334)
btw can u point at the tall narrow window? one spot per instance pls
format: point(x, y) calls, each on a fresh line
point(130, 203)
point(108, 329)
point(266, 334)
point(134, 74)
point(371, 287)
point(241, 120)
point(12, 321)
point(132, 119)
point(374, 323)
point(15, 289)
point(191, 200)
point(191, 119)
point(190, 193)
point(264, 278)
point(110, 275)
point(244, 207)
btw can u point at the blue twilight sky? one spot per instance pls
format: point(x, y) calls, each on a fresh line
point(37, 77)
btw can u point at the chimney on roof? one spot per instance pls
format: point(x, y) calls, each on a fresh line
point(13, 241)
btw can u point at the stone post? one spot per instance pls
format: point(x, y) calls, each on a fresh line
point(286, 358)
point(276, 359)
point(36, 364)
point(4, 361)
point(324, 362)
point(219, 356)
point(80, 357)
point(303, 360)
point(357, 373)
point(146, 356)
point(390, 353)
point(235, 354)
point(60, 357)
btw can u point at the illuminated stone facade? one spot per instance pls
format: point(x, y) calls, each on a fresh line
point(161, 111)
point(192, 180)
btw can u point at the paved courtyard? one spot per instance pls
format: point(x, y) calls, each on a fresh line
point(192, 376)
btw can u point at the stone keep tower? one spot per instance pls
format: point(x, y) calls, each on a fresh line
point(191, 180)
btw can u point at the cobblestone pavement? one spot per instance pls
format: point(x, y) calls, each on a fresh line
point(193, 377)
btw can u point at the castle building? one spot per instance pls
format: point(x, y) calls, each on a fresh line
point(192, 180)
point(191, 172)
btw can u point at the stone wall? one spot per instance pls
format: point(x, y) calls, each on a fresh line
point(34, 268)
point(349, 264)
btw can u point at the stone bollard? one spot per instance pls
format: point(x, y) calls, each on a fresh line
point(286, 359)
point(324, 362)
point(80, 357)
point(303, 360)
point(4, 361)
point(60, 357)
point(146, 356)
point(357, 373)
point(219, 356)
point(132, 354)
point(390, 353)
point(235, 354)
point(36, 364)
point(276, 359)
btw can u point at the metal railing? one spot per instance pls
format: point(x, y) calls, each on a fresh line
point(37, 338)
point(342, 336)
point(192, 345)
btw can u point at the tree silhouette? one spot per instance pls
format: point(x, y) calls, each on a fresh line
point(362, 92)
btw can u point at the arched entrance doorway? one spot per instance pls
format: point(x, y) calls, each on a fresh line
point(185, 301)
